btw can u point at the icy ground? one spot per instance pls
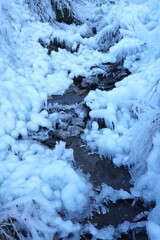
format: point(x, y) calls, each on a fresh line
point(40, 192)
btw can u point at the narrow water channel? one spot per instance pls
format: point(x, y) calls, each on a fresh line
point(100, 171)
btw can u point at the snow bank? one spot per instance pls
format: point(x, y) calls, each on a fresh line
point(41, 186)
point(40, 191)
point(130, 112)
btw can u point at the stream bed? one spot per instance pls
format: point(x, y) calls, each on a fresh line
point(70, 116)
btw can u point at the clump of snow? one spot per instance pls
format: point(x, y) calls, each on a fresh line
point(107, 193)
point(105, 233)
point(42, 182)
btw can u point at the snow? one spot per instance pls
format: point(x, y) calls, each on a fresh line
point(33, 173)
point(39, 185)
point(34, 180)
point(131, 110)
point(153, 230)
point(106, 233)
point(107, 193)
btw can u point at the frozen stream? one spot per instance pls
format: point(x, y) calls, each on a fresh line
point(69, 108)
point(80, 99)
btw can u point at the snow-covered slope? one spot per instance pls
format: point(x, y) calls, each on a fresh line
point(131, 110)
point(38, 186)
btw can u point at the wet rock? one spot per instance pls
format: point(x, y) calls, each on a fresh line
point(56, 44)
point(112, 73)
point(78, 80)
point(63, 13)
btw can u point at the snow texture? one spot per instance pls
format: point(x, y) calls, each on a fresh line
point(40, 191)
point(131, 110)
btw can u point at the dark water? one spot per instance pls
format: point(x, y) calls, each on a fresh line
point(104, 171)
point(70, 98)
point(100, 171)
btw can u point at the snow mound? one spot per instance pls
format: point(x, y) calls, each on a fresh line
point(41, 187)
point(129, 134)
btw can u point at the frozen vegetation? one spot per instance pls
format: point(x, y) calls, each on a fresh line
point(41, 194)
